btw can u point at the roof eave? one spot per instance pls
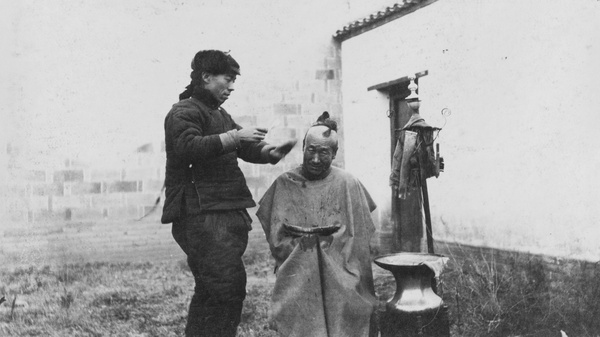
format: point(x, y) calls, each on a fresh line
point(380, 18)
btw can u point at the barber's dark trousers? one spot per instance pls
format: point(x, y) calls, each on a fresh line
point(214, 243)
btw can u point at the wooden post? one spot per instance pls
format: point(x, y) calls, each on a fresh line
point(427, 216)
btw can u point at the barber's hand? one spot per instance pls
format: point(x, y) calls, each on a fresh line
point(281, 151)
point(252, 134)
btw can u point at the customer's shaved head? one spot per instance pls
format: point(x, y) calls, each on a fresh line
point(322, 134)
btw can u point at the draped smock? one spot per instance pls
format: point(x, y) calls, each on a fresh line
point(324, 285)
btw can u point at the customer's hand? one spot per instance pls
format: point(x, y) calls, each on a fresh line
point(252, 134)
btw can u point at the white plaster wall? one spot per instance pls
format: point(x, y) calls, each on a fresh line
point(521, 145)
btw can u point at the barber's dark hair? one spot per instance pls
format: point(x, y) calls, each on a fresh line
point(326, 121)
point(213, 62)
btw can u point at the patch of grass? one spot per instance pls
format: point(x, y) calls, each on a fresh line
point(254, 321)
point(259, 264)
point(515, 297)
point(96, 300)
point(519, 297)
point(121, 299)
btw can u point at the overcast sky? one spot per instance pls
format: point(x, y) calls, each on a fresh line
point(91, 79)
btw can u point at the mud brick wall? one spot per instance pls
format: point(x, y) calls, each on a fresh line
point(77, 211)
point(78, 192)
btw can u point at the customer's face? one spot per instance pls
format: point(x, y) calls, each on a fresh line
point(319, 153)
point(220, 86)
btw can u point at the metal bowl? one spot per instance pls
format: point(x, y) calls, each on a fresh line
point(315, 230)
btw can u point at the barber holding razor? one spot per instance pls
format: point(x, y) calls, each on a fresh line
point(206, 192)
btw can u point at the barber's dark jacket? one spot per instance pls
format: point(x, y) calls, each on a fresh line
point(202, 152)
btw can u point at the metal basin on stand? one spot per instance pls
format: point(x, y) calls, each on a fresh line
point(415, 309)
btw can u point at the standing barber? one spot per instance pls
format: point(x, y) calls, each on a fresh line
point(206, 192)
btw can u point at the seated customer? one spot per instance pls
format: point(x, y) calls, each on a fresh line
point(324, 284)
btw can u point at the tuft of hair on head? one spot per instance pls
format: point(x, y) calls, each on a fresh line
point(326, 121)
point(323, 117)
